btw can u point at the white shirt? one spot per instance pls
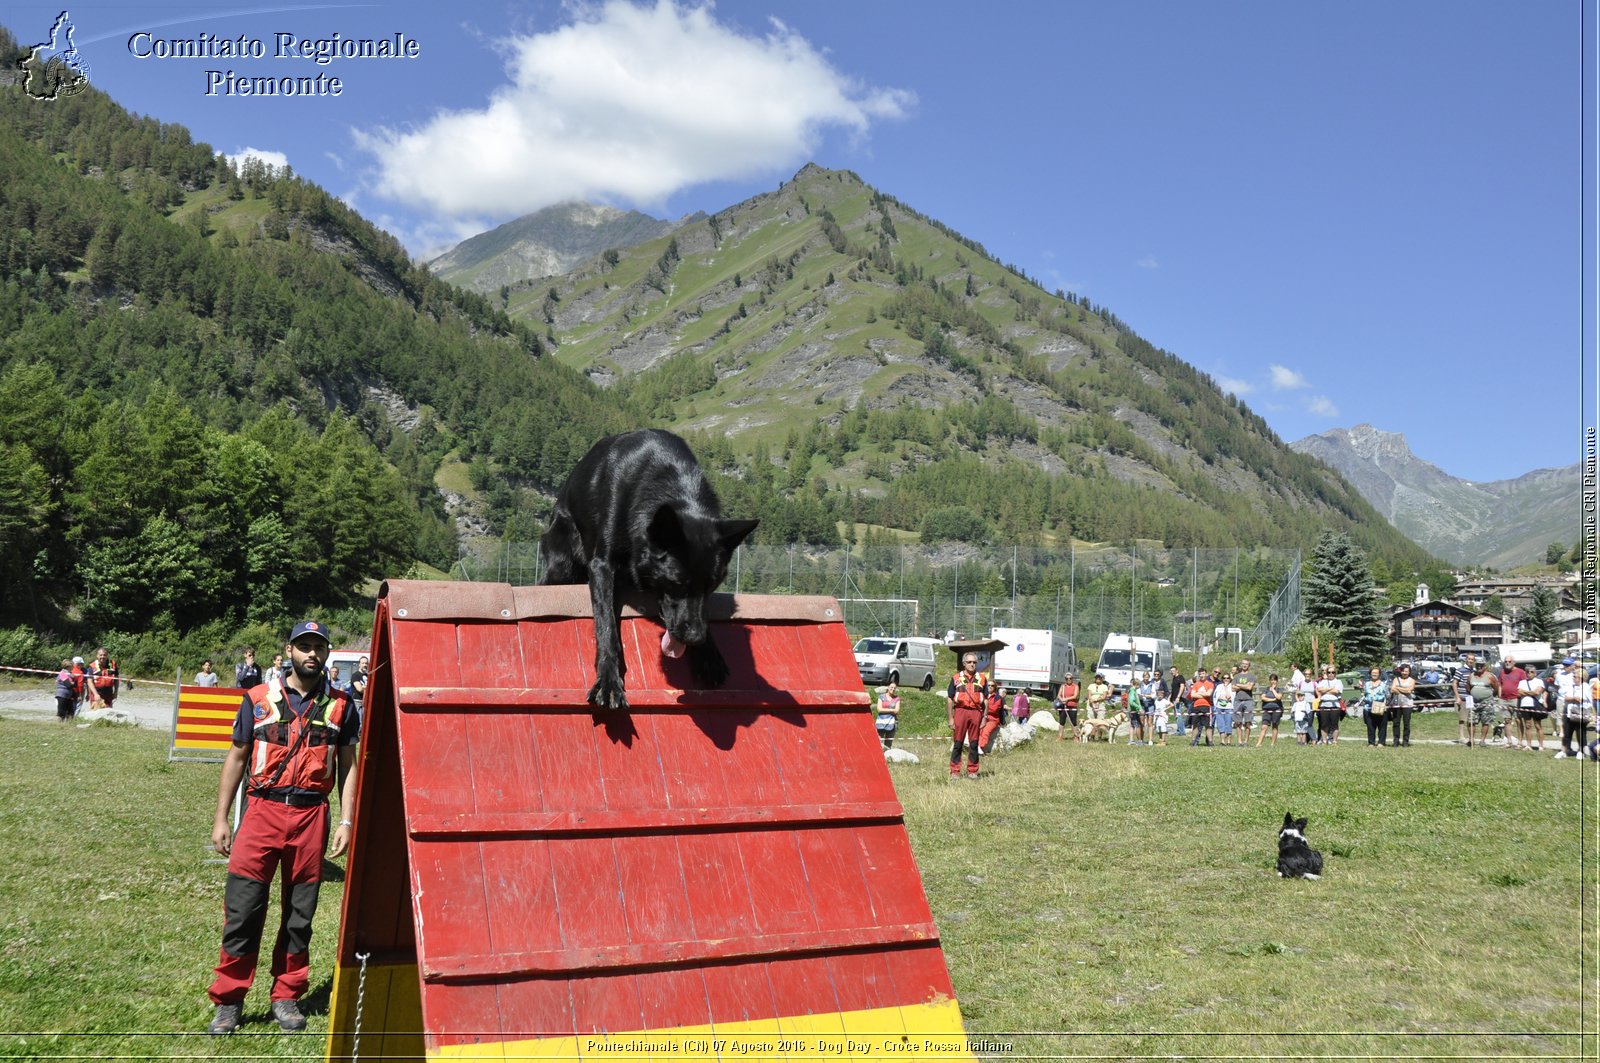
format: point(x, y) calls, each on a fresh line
point(1529, 691)
point(1574, 695)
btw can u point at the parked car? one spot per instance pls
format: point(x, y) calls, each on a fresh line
point(906, 661)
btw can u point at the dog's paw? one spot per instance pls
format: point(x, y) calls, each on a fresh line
point(706, 662)
point(607, 693)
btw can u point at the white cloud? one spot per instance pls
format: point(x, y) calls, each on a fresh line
point(275, 159)
point(1234, 386)
point(627, 102)
point(1322, 407)
point(1148, 262)
point(1285, 379)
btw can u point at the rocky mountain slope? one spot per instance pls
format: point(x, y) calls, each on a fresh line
point(831, 339)
point(545, 243)
point(1502, 523)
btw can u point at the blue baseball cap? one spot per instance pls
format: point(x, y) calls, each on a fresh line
point(310, 627)
point(1568, 661)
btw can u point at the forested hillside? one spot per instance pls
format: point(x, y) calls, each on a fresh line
point(224, 393)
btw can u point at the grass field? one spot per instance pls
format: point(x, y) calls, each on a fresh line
point(1094, 901)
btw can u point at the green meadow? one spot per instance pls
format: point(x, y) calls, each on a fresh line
point(1095, 902)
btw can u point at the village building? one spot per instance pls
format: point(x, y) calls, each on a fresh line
point(1432, 629)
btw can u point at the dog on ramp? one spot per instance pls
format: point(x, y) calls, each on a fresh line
point(637, 513)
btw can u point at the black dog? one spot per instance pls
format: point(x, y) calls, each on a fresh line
point(1296, 858)
point(637, 512)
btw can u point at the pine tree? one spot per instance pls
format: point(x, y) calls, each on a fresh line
point(1338, 591)
point(1539, 621)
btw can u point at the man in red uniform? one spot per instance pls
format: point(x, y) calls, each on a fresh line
point(293, 740)
point(103, 679)
point(965, 699)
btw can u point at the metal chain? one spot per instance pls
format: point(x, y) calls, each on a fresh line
point(361, 997)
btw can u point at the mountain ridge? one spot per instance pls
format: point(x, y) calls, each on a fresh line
point(545, 243)
point(1499, 523)
point(828, 320)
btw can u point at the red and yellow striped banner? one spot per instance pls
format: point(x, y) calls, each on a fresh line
point(202, 722)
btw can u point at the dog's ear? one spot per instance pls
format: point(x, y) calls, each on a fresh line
point(666, 529)
point(730, 533)
point(1288, 820)
point(1300, 824)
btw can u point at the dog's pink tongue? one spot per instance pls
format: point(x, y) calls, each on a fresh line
point(671, 646)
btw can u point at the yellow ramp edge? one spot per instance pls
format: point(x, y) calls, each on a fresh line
point(920, 1031)
point(390, 1007)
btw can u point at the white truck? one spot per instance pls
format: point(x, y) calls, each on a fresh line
point(1034, 659)
point(1125, 656)
point(1537, 654)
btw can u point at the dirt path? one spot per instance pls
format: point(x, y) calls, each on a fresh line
point(149, 704)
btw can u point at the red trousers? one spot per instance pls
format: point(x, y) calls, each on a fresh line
point(272, 838)
point(967, 722)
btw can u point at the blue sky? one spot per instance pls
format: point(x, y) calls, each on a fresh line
point(1369, 212)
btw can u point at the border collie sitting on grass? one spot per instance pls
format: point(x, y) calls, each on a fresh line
point(1296, 858)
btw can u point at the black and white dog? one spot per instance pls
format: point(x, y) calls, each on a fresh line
point(1296, 858)
point(638, 513)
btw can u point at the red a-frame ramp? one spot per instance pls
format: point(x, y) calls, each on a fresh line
point(715, 874)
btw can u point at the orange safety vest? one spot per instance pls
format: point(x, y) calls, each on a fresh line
point(295, 750)
point(107, 679)
point(969, 693)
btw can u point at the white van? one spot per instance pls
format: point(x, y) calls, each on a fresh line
point(346, 660)
point(1125, 656)
point(909, 662)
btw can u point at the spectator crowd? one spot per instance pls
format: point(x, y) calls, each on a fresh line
point(1507, 706)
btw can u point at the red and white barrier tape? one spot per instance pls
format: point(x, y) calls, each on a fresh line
point(53, 674)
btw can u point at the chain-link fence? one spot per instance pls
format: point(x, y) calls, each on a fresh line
point(1234, 598)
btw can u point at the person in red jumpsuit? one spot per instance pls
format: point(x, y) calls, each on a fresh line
point(293, 741)
point(964, 700)
point(994, 714)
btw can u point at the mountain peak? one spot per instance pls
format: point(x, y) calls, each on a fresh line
point(545, 243)
point(1375, 443)
point(1505, 523)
